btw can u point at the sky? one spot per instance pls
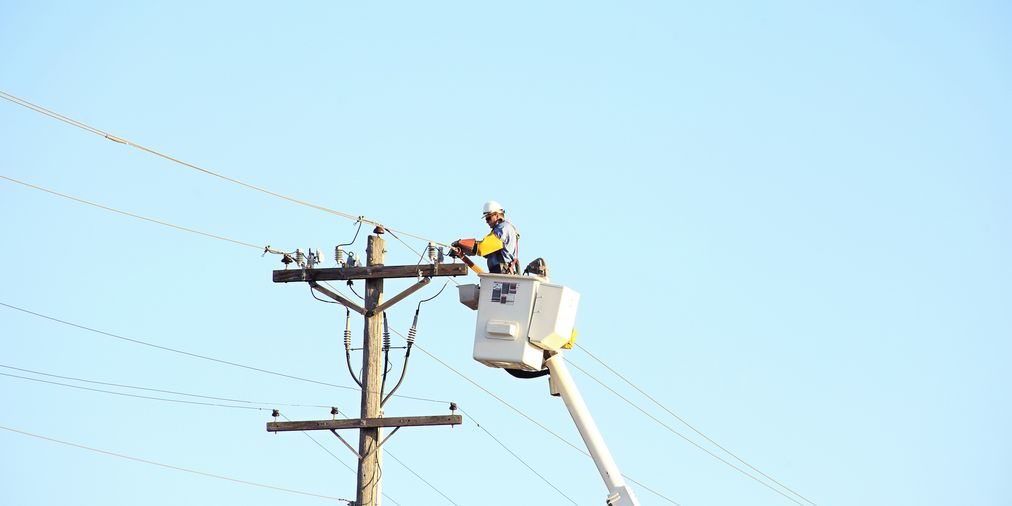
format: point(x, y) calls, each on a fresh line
point(788, 223)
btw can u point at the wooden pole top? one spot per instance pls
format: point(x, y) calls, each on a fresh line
point(365, 423)
point(369, 272)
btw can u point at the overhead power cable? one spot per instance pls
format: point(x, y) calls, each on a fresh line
point(172, 392)
point(163, 399)
point(528, 417)
point(679, 434)
point(177, 468)
point(42, 110)
point(203, 357)
point(132, 215)
point(324, 448)
point(258, 247)
point(685, 422)
point(172, 400)
point(412, 471)
point(521, 460)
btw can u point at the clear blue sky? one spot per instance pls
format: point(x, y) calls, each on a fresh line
point(789, 223)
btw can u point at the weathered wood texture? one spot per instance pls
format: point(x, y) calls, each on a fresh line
point(365, 423)
point(372, 371)
point(399, 297)
point(369, 272)
point(345, 302)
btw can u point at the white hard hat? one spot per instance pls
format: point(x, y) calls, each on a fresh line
point(491, 207)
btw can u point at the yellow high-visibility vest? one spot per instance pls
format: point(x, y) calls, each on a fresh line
point(490, 244)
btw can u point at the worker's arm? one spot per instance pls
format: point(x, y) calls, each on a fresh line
point(488, 245)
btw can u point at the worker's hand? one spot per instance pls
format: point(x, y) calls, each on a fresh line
point(454, 251)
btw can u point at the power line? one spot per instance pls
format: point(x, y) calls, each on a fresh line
point(180, 401)
point(679, 434)
point(202, 357)
point(177, 468)
point(399, 461)
point(324, 448)
point(214, 236)
point(37, 108)
point(166, 400)
point(525, 415)
point(195, 403)
point(686, 423)
point(433, 487)
point(132, 215)
point(359, 219)
point(184, 394)
point(522, 461)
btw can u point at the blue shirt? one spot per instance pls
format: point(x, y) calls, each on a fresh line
point(501, 260)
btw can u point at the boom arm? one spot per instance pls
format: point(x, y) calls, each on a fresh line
point(561, 383)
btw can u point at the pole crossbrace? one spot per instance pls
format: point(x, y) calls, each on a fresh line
point(341, 300)
point(397, 298)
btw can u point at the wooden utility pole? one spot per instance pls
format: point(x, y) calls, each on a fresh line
point(372, 420)
point(372, 373)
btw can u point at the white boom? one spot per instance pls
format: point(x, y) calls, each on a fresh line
point(562, 384)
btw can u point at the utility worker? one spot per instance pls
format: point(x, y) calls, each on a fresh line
point(501, 247)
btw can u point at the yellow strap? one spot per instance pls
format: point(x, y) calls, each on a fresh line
point(572, 341)
point(490, 244)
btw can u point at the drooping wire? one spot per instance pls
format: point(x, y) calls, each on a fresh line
point(352, 287)
point(412, 334)
point(386, 352)
point(28, 105)
point(347, 346)
point(339, 252)
point(313, 293)
point(177, 468)
point(680, 419)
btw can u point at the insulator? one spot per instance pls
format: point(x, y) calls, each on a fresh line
point(347, 332)
point(300, 257)
point(411, 335)
point(386, 334)
point(339, 255)
point(433, 257)
point(453, 406)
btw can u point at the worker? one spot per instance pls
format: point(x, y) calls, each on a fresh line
point(501, 247)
